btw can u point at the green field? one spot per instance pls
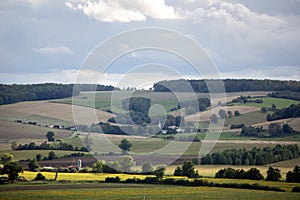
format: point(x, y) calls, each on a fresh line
point(247, 119)
point(29, 154)
point(132, 191)
point(268, 101)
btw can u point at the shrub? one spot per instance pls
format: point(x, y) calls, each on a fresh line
point(40, 177)
point(112, 179)
point(296, 189)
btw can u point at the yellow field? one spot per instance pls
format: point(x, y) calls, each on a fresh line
point(79, 176)
point(101, 177)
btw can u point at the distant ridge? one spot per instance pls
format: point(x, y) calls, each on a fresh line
point(230, 85)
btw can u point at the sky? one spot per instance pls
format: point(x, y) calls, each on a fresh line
point(51, 40)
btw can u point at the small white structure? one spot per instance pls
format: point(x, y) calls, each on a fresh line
point(79, 164)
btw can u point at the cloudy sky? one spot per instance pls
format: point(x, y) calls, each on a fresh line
point(49, 40)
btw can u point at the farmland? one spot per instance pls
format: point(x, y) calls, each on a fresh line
point(83, 185)
point(267, 102)
point(133, 191)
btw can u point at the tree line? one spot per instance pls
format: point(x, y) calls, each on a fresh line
point(291, 111)
point(255, 156)
point(46, 146)
point(33, 92)
point(274, 130)
point(285, 95)
point(230, 85)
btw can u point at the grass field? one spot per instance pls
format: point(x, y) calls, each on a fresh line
point(268, 101)
point(103, 100)
point(205, 116)
point(247, 118)
point(133, 191)
point(24, 155)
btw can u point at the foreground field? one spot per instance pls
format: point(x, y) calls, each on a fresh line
point(133, 191)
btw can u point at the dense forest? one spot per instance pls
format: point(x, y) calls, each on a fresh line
point(17, 93)
point(231, 85)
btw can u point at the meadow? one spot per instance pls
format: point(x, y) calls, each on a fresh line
point(132, 191)
point(268, 101)
point(103, 99)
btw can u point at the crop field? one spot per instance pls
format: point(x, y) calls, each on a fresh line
point(268, 101)
point(59, 113)
point(25, 133)
point(131, 191)
point(207, 171)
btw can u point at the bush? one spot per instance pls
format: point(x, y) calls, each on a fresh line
point(296, 189)
point(112, 179)
point(40, 177)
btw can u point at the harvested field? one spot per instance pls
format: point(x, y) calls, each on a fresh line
point(62, 112)
point(24, 133)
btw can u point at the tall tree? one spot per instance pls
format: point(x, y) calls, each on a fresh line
point(125, 145)
point(50, 136)
point(273, 174)
point(33, 165)
point(214, 119)
point(12, 169)
point(222, 113)
point(6, 158)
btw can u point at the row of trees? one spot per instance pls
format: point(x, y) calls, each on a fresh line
point(246, 99)
point(285, 95)
point(291, 111)
point(273, 174)
point(254, 156)
point(222, 114)
point(252, 174)
point(47, 146)
point(230, 85)
point(17, 92)
point(274, 130)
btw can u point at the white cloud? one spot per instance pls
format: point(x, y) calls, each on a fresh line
point(124, 10)
point(234, 14)
point(54, 50)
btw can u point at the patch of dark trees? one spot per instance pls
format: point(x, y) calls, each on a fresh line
point(252, 174)
point(17, 93)
point(255, 156)
point(234, 126)
point(95, 87)
point(194, 182)
point(274, 130)
point(191, 107)
point(293, 176)
point(33, 92)
point(230, 85)
point(47, 146)
point(246, 99)
point(291, 111)
point(285, 95)
point(138, 110)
